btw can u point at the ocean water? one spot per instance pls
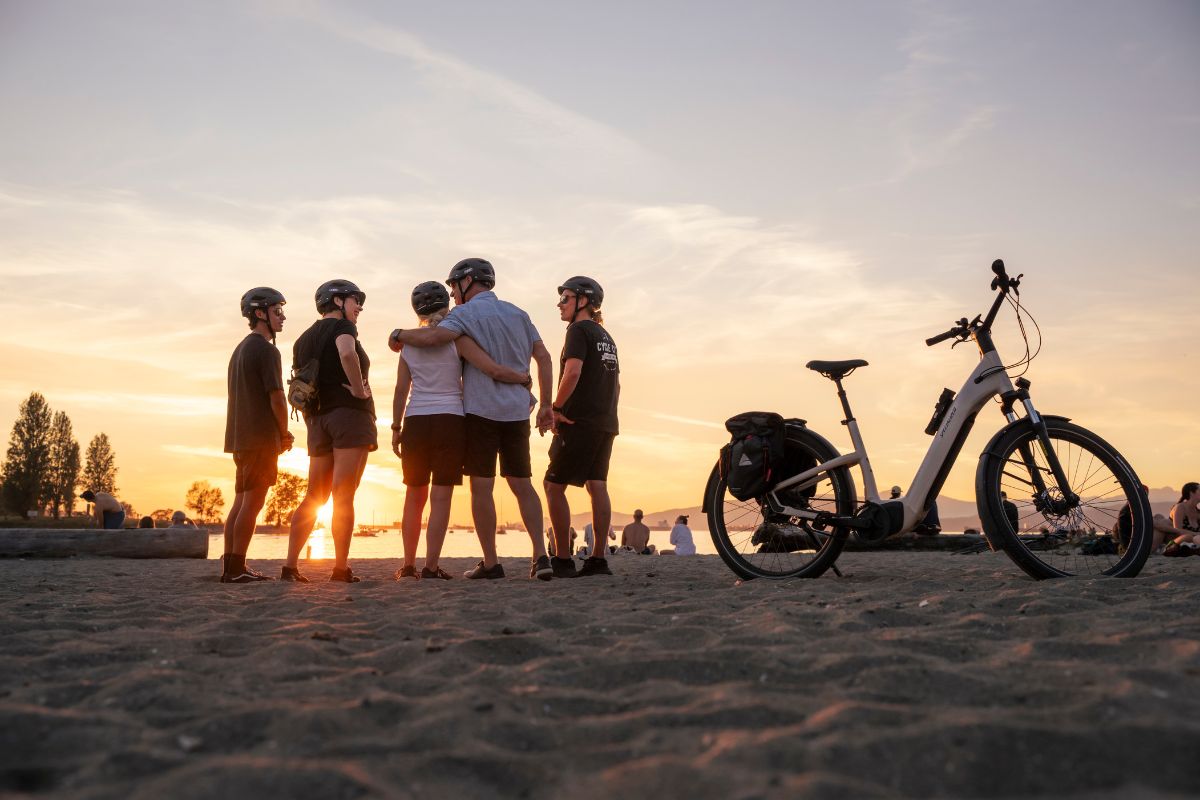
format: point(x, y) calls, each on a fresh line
point(460, 543)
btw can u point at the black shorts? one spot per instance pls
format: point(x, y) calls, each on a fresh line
point(340, 429)
point(579, 454)
point(433, 444)
point(486, 438)
point(256, 469)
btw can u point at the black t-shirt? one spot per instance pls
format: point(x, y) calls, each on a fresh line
point(594, 401)
point(254, 372)
point(330, 389)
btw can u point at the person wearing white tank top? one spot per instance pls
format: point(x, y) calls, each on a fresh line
point(428, 432)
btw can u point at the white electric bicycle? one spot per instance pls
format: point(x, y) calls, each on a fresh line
point(1048, 491)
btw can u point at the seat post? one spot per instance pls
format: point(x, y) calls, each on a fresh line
point(845, 402)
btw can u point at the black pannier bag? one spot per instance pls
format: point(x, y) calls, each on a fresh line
point(749, 461)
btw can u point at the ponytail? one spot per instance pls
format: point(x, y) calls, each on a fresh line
point(597, 316)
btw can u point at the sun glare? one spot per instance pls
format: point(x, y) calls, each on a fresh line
point(325, 514)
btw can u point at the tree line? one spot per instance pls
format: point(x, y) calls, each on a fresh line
point(42, 469)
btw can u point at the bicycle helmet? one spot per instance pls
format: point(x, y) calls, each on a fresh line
point(473, 269)
point(429, 297)
point(583, 285)
point(337, 288)
point(260, 297)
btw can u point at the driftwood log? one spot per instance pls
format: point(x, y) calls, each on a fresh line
point(126, 543)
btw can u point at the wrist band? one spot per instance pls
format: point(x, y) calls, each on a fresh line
point(556, 409)
point(396, 426)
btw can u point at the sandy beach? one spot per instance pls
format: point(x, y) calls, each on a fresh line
point(914, 675)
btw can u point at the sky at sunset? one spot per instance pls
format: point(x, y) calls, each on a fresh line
point(755, 184)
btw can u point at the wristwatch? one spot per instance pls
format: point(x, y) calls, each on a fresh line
point(556, 409)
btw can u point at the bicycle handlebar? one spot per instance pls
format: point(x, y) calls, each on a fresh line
point(941, 337)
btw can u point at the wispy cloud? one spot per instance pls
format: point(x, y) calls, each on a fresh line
point(546, 122)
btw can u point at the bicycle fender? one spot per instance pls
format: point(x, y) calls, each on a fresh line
point(990, 451)
point(713, 477)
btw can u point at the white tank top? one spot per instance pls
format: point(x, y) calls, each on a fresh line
point(436, 380)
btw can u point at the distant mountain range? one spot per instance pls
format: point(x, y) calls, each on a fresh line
point(956, 515)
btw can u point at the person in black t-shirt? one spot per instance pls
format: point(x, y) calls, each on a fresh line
point(256, 430)
point(585, 421)
point(342, 431)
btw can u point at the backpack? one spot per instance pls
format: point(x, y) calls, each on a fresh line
point(750, 460)
point(302, 394)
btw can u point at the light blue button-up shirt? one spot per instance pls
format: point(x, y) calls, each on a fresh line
point(507, 334)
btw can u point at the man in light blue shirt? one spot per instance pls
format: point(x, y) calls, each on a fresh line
point(497, 414)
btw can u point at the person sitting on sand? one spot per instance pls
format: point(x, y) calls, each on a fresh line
point(681, 537)
point(107, 510)
point(1186, 516)
point(585, 421)
point(1122, 531)
point(636, 535)
point(256, 426)
point(180, 520)
point(931, 525)
point(428, 431)
point(589, 537)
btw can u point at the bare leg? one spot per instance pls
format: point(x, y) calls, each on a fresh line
point(252, 502)
point(231, 523)
point(414, 507)
point(560, 516)
point(601, 516)
point(483, 512)
point(320, 481)
point(531, 511)
point(439, 519)
point(348, 465)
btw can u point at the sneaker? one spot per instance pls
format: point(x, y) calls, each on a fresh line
point(563, 567)
point(479, 571)
point(234, 570)
point(407, 571)
point(438, 574)
point(594, 566)
point(540, 568)
point(344, 576)
point(292, 574)
point(243, 577)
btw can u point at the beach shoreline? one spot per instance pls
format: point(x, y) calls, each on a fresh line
point(913, 675)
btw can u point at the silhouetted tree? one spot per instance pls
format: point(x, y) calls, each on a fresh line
point(100, 467)
point(63, 472)
point(206, 500)
point(28, 459)
point(285, 496)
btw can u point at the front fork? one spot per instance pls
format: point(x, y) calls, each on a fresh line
point(1044, 501)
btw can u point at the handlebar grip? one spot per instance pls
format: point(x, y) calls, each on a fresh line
point(941, 337)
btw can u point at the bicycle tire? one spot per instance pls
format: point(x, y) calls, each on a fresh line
point(754, 545)
point(1051, 544)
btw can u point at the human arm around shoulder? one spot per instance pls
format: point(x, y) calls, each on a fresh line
point(469, 349)
point(348, 355)
point(545, 376)
point(422, 337)
point(400, 401)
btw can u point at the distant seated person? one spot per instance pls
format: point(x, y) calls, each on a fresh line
point(681, 537)
point(146, 522)
point(180, 520)
point(636, 536)
point(587, 536)
point(108, 512)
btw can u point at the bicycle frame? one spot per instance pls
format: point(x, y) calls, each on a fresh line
point(989, 379)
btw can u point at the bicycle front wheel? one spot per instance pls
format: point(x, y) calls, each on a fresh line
point(755, 543)
point(1046, 536)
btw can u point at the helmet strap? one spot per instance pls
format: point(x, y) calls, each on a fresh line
point(578, 308)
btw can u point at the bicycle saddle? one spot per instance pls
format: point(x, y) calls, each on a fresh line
point(836, 370)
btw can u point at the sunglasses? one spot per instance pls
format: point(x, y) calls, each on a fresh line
point(565, 298)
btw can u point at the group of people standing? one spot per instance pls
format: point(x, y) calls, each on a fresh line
point(462, 402)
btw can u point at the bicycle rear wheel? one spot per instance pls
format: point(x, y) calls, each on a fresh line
point(1049, 539)
point(757, 544)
